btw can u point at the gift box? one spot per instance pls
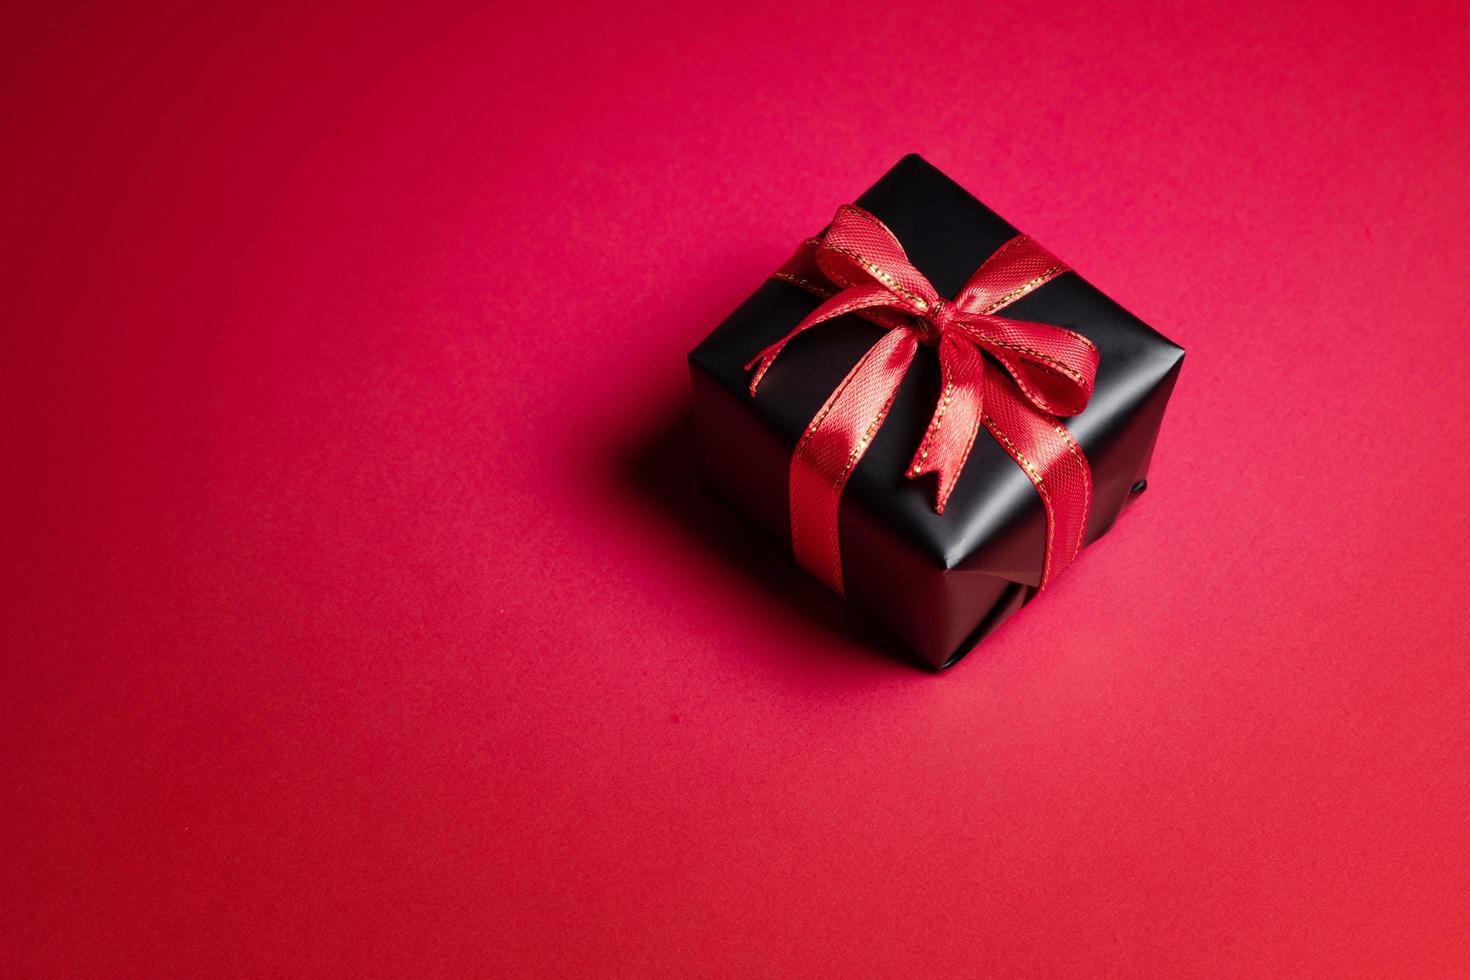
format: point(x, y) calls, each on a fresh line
point(933, 412)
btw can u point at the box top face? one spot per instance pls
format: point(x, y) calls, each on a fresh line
point(993, 521)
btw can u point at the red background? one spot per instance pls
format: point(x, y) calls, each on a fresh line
point(362, 616)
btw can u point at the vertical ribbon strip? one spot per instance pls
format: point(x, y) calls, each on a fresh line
point(1033, 373)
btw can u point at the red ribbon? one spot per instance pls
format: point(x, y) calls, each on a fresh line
point(1045, 372)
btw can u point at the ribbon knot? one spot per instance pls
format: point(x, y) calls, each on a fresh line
point(1047, 371)
point(934, 321)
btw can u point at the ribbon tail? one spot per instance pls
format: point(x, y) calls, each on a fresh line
point(951, 434)
point(834, 441)
point(1051, 458)
point(860, 297)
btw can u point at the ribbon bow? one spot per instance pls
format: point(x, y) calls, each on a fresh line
point(861, 267)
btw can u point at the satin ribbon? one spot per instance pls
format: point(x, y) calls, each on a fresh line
point(1033, 373)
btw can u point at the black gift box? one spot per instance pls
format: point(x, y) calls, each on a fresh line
point(939, 583)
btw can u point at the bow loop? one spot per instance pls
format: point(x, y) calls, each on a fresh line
point(857, 249)
point(1055, 368)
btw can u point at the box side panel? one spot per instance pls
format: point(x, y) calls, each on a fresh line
point(743, 461)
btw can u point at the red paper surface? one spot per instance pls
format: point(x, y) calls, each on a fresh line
point(363, 618)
